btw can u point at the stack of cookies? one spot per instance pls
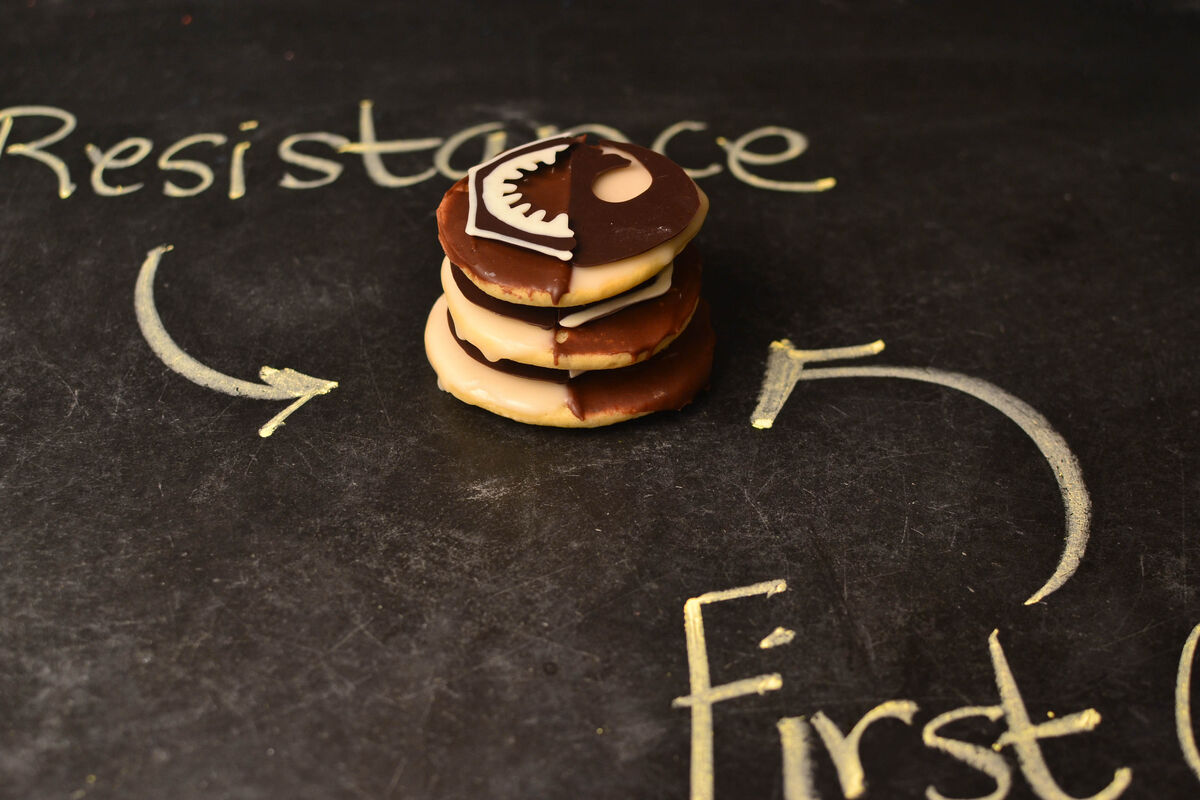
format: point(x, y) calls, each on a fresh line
point(571, 292)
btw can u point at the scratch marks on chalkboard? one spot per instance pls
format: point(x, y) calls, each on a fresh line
point(74, 396)
point(754, 504)
point(277, 384)
point(786, 366)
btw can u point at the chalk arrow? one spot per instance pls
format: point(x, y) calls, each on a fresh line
point(786, 367)
point(278, 384)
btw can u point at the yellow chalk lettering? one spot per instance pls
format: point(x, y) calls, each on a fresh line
point(844, 749)
point(983, 759)
point(493, 145)
point(237, 171)
point(35, 149)
point(797, 767)
point(703, 693)
point(738, 154)
point(669, 133)
point(112, 159)
point(167, 161)
point(1023, 736)
point(1183, 703)
point(331, 169)
point(372, 149)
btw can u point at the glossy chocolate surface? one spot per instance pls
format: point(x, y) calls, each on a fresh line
point(604, 232)
point(488, 225)
point(636, 329)
point(496, 262)
point(668, 381)
point(640, 328)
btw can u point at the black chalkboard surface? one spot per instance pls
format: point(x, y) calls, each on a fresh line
point(395, 595)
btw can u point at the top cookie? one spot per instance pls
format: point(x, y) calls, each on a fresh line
point(561, 222)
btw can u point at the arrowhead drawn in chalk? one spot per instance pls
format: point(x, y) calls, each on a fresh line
point(295, 383)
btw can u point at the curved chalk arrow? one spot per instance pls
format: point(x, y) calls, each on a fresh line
point(785, 366)
point(278, 384)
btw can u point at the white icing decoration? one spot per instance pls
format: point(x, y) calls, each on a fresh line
point(499, 196)
point(661, 285)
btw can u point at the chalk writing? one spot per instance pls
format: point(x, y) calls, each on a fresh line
point(321, 158)
point(278, 384)
point(1183, 703)
point(1020, 734)
point(984, 759)
point(777, 638)
point(703, 694)
point(785, 367)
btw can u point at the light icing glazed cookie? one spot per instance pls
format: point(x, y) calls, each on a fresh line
point(540, 396)
point(562, 223)
point(609, 334)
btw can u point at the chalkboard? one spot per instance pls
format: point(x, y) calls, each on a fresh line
point(958, 559)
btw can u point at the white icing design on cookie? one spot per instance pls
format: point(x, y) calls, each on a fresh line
point(497, 193)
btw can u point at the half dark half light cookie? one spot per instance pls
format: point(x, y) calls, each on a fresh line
point(631, 211)
point(608, 334)
point(541, 396)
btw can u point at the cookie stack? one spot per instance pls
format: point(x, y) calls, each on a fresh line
point(571, 294)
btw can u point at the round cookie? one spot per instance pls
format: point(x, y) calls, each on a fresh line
point(551, 397)
point(631, 211)
point(610, 334)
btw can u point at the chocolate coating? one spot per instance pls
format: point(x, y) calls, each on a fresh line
point(669, 380)
point(495, 262)
point(637, 330)
point(640, 328)
point(605, 232)
point(505, 365)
